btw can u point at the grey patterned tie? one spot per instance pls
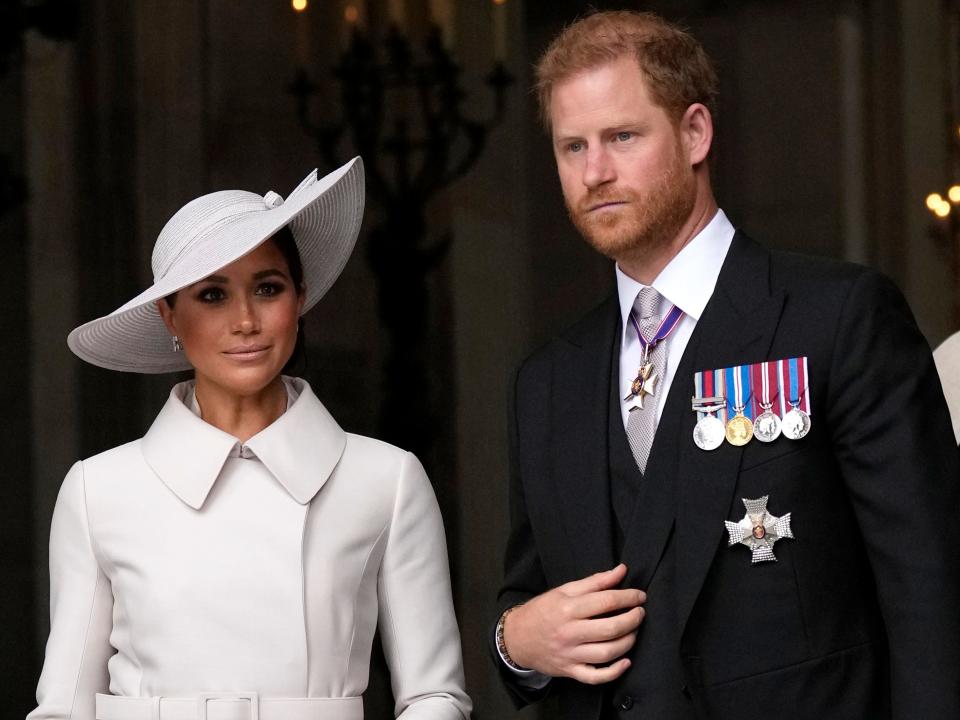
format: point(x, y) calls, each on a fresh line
point(642, 423)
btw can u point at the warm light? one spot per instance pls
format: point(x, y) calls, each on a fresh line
point(934, 201)
point(299, 5)
point(954, 194)
point(351, 14)
point(499, 2)
point(942, 211)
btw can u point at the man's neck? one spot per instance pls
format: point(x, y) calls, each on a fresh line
point(645, 265)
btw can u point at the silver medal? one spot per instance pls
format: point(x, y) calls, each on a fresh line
point(796, 424)
point(766, 426)
point(709, 432)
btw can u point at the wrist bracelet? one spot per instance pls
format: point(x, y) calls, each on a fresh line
point(502, 646)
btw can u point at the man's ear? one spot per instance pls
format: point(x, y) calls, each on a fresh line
point(696, 132)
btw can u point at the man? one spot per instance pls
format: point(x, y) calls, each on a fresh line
point(802, 567)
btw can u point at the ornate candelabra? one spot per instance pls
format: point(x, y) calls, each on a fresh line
point(402, 112)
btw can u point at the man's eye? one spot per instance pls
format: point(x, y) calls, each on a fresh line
point(624, 136)
point(575, 147)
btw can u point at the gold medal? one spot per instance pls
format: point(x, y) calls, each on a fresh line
point(739, 429)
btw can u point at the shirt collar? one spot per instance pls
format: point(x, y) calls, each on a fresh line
point(689, 278)
point(301, 448)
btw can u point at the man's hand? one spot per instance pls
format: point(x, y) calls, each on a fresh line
point(559, 634)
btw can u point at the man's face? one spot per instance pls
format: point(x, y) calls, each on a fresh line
point(627, 181)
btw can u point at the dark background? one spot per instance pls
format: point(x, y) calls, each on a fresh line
point(836, 119)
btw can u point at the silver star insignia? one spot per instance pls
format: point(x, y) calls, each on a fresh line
point(759, 530)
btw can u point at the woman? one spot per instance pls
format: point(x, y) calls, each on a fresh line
point(234, 563)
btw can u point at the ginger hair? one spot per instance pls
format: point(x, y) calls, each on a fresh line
point(677, 69)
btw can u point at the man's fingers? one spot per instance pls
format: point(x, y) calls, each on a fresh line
point(606, 602)
point(601, 653)
point(608, 628)
point(595, 582)
point(592, 675)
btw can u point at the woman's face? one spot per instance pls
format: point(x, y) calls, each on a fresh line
point(238, 326)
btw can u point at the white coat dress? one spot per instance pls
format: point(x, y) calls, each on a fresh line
point(184, 563)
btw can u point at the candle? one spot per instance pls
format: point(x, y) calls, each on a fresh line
point(500, 30)
point(442, 15)
point(302, 37)
point(398, 14)
point(353, 18)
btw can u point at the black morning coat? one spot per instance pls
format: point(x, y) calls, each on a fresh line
point(859, 618)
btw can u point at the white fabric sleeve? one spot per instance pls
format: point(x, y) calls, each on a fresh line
point(418, 627)
point(530, 679)
point(81, 613)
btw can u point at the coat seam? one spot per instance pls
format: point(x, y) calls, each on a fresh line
point(96, 587)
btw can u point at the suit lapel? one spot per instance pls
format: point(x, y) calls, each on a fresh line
point(581, 385)
point(737, 327)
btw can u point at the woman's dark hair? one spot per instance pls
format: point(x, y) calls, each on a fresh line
point(287, 246)
point(283, 239)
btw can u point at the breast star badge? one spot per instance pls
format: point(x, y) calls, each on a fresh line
point(759, 530)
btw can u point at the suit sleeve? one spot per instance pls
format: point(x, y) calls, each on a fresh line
point(81, 613)
point(896, 450)
point(523, 572)
point(418, 627)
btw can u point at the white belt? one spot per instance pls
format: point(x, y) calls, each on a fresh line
point(228, 706)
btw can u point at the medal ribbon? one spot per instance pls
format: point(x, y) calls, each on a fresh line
point(667, 326)
point(793, 378)
point(738, 380)
point(780, 383)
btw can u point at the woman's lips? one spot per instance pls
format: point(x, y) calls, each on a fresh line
point(246, 352)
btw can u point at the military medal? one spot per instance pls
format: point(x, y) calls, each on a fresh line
point(796, 422)
point(758, 530)
point(644, 385)
point(709, 431)
point(766, 426)
point(739, 429)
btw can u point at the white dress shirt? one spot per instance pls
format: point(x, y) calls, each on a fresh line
point(687, 281)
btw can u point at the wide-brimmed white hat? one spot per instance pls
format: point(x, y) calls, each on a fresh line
point(211, 232)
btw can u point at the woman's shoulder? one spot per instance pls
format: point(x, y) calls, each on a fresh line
point(119, 457)
point(111, 468)
point(380, 461)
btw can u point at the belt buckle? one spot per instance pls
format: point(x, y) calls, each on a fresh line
point(252, 697)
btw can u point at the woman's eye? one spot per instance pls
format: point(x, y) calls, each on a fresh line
point(211, 295)
point(269, 289)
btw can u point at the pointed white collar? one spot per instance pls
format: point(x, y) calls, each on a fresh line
point(301, 448)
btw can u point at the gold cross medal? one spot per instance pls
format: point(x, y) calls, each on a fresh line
point(643, 385)
point(759, 530)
